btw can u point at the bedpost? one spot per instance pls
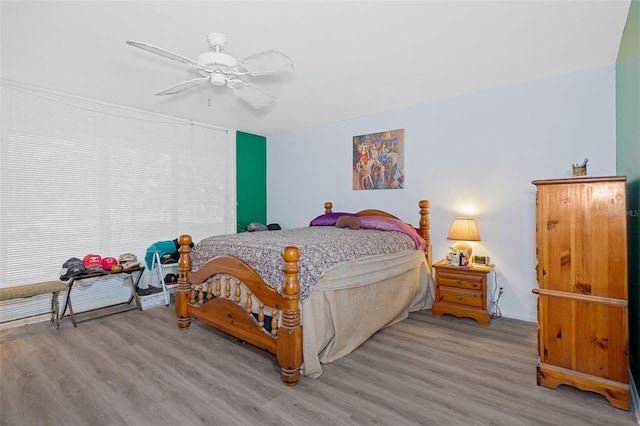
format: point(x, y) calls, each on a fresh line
point(424, 228)
point(182, 294)
point(289, 352)
point(327, 207)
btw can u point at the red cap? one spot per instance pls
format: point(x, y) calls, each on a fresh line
point(109, 262)
point(92, 261)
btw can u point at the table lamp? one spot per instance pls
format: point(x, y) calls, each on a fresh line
point(464, 229)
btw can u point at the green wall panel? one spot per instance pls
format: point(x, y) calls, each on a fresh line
point(628, 163)
point(251, 179)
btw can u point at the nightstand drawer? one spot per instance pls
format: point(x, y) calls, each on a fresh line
point(460, 280)
point(460, 297)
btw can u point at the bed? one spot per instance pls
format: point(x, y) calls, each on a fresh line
point(308, 295)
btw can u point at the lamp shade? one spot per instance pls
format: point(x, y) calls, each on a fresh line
point(464, 229)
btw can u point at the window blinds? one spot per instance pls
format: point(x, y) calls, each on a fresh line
point(80, 176)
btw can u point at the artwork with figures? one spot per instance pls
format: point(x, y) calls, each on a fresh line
point(378, 160)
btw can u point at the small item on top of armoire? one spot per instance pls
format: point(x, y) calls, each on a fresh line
point(580, 169)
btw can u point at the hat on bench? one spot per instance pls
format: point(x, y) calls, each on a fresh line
point(72, 267)
point(93, 262)
point(128, 260)
point(108, 263)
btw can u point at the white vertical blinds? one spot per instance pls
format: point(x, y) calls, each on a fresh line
point(80, 176)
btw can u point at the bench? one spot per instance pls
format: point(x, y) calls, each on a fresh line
point(36, 289)
point(128, 274)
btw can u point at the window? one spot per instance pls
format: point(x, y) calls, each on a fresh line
point(80, 176)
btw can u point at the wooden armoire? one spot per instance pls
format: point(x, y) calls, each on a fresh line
point(581, 248)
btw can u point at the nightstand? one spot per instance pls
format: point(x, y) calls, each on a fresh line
point(462, 291)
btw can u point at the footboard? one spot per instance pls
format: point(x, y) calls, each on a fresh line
point(229, 295)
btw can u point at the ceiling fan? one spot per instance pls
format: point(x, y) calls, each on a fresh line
point(222, 69)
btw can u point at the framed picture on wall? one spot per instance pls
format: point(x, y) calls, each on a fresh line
point(378, 160)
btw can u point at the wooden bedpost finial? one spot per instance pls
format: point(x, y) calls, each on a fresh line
point(327, 207)
point(289, 351)
point(185, 240)
point(184, 263)
point(291, 254)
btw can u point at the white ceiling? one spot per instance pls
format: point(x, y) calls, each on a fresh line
point(352, 58)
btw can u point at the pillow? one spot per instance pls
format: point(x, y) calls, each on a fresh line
point(347, 221)
point(329, 219)
point(382, 223)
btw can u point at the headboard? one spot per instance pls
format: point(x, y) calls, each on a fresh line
point(422, 229)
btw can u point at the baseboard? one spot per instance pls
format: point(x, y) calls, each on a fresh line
point(25, 321)
point(634, 397)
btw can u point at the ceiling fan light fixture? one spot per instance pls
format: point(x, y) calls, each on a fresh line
point(218, 79)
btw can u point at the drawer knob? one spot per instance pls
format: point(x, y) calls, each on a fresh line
point(460, 281)
point(459, 297)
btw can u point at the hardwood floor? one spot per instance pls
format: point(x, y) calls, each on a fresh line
point(138, 368)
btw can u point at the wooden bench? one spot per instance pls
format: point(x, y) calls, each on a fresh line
point(36, 289)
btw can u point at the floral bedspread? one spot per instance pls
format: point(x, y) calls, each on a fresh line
point(321, 247)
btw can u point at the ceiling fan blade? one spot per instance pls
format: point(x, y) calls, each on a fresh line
point(269, 62)
point(181, 87)
point(251, 94)
point(162, 52)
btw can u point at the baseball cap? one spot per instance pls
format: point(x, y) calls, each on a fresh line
point(71, 268)
point(168, 258)
point(128, 260)
point(127, 257)
point(108, 263)
point(92, 261)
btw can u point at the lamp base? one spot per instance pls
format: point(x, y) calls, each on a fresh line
point(464, 246)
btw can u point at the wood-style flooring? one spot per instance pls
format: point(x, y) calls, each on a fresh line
point(139, 368)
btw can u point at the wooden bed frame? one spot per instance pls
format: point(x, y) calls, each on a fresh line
point(212, 295)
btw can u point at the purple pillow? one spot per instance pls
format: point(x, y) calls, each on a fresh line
point(382, 223)
point(329, 219)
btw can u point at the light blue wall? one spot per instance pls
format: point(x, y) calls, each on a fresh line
point(473, 155)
